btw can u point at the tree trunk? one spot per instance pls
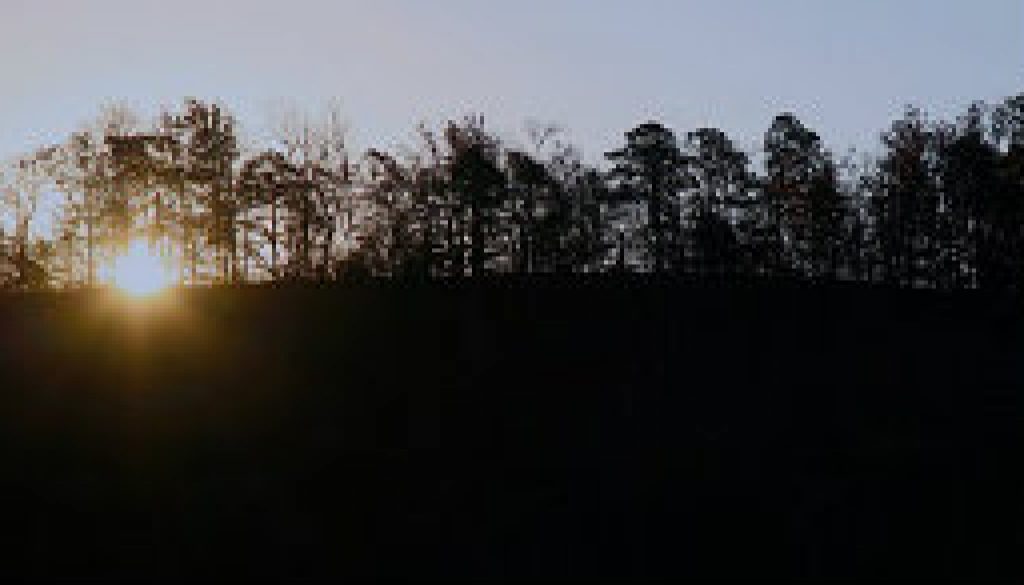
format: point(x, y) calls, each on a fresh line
point(89, 243)
point(273, 237)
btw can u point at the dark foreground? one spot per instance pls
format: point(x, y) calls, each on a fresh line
point(590, 430)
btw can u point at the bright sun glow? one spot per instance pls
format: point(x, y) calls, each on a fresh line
point(140, 272)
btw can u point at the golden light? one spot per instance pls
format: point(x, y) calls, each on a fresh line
point(139, 272)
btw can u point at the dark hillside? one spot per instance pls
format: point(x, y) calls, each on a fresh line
point(513, 429)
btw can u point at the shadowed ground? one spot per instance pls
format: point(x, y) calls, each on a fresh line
point(595, 429)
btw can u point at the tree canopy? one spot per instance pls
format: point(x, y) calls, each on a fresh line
point(941, 205)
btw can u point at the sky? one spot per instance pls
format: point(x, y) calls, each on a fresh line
point(596, 67)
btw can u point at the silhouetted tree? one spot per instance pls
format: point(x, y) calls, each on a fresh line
point(1008, 213)
point(649, 170)
point(827, 212)
point(211, 151)
point(478, 185)
point(720, 200)
point(911, 202)
point(793, 159)
point(529, 183)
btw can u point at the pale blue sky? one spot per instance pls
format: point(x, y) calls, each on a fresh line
point(596, 66)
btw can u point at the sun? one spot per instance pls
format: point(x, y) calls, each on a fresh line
point(139, 272)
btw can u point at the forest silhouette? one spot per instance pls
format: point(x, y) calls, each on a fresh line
point(938, 206)
point(470, 359)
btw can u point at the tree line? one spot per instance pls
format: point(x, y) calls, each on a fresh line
point(940, 205)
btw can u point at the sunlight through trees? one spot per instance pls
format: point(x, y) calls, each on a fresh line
point(939, 206)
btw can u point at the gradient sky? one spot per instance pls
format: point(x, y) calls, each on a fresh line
point(846, 67)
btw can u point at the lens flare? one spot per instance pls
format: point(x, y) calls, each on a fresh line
point(139, 272)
